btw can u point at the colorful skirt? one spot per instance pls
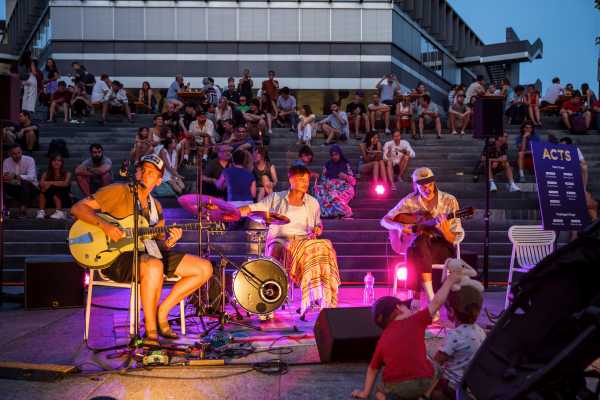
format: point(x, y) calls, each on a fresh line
point(313, 266)
point(334, 195)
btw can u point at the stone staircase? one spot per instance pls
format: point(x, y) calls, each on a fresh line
point(361, 243)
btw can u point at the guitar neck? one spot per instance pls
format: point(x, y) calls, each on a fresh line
point(164, 229)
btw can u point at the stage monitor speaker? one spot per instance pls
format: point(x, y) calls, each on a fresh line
point(488, 117)
point(53, 282)
point(346, 334)
point(542, 344)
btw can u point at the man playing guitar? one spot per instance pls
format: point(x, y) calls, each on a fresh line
point(428, 246)
point(117, 201)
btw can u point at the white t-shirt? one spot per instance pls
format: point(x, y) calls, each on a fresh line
point(553, 92)
point(393, 151)
point(100, 92)
point(461, 345)
point(474, 89)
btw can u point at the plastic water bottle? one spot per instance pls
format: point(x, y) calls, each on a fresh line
point(369, 291)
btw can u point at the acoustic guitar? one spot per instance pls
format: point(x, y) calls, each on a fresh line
point(421, 223)
point(93, 249)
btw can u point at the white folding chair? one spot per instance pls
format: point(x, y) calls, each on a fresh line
point(531, 243)
point(101, 281)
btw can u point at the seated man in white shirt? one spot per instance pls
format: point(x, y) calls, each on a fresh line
point(203, 132)
point(100, 94)
point(335, 126)
point(20, 177)
point(396, 154)
point(312, 262)
point(117, 101)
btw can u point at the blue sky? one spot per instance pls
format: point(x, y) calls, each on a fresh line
point(567, 29)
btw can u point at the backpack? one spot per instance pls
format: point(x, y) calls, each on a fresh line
point(58, 146)
point(577, 123)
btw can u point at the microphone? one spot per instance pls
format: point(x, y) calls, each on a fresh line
point(123, 171)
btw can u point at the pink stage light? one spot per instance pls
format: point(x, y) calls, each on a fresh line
point(86, 280)
point(380, 190)
point(401, 273)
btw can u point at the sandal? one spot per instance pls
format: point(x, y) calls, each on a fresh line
point(166, 332)
point(151, 339)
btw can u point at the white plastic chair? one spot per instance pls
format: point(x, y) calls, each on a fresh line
point(110, 283)
point(531, 243)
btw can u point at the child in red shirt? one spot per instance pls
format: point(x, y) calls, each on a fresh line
point(401, 348)
point(534, 107)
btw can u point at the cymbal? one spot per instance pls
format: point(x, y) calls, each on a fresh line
point(216, 209)
point(262, 217)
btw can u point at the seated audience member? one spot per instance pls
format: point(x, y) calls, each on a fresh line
point(378, 111)
point(452, 95)
point(264, 172)
point(94, 172)
point(569, 89)
point(55, 188)
point(305, 159)
point(101, 90)
point(596, 110)
point(459, 115)
point(146, 97)
point(223, 112)
point(553, 92)
point(81, 75)
point(212, 93)
point(533, 100)
point(517, 107)
point(143, 144)
point(52, 77)
point(61, 98)
point(401, 349)
point(286, 106)
point(269, 108)
point(270, 86)
point(213, 171)
point(574, 108)
point(491, 90)
point(372, 159)
point(589, 97)
point(461, 343)
point(240, 184)
point(245, 85)
point(81, 102)
point(25, 133)
point(387, 87)
point(203, 132)
point(527, 135)
point(172, 182)
point(227, 131)
point(497, 152)
point(156, 129)
point(582, 162)
point(404, 114)
point(335, 189)
point(20, 177)
point(305, 126)
point(172, 93)
point(335, 126)
point(231, 93)
point(357, 116)
point(171, 119)
point(188, 116)
point(256, 121)
point(476, 89)
point(396, 154)
point(240, 140)
point(117, 101)
point(429, 114)
point(244, 105)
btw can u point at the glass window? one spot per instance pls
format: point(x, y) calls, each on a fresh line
point(41, 39)
point(431, 56)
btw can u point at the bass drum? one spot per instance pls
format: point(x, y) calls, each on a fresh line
point(260, 286)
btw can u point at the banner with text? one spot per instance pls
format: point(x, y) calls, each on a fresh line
point(560, 186)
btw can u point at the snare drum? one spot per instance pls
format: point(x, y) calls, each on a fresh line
point(260, 285)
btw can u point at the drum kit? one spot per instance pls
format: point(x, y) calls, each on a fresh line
point(259, 285)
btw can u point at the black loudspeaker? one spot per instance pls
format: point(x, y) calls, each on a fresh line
point(488, 117)
point(53, 282)
point(542, 344)
point(346, 334)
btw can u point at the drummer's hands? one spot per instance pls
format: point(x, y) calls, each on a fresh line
point(174, 236)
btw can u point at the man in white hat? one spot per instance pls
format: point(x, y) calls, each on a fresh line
point(425, 248)
point(158, 259)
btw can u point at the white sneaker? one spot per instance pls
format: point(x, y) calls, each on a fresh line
point(41, 214)
point(454, 133)
point(58, 214)
point(513, 187)
point(493, 186)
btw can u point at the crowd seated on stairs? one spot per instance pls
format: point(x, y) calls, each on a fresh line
point(208, 124)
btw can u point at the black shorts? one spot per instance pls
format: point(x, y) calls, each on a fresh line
point(121, 270)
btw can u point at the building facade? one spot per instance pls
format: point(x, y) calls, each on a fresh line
point(322, 45)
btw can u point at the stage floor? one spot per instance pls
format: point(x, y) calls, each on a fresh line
point(56, 337)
